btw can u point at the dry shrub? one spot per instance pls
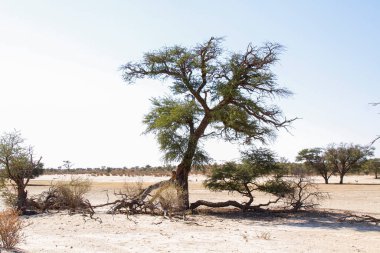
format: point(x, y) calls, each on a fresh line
point(305, 194)
point(133, 190)
point(264, 235)
point(65, 196)
point(71, 193)
point(10, 228)
point(169, 198)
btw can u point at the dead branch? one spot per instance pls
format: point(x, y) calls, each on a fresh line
point(233, 203)
point(136, 201)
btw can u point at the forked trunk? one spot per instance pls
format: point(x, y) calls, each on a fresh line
point(326, 180)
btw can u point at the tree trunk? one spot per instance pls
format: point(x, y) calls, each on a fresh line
point(182, 175)
point(184, 168)
point(182, 181)
point(341, 179)
point(376, 177)
point(326, 180)
point(21, 198)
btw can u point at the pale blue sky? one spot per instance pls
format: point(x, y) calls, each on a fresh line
point(60, 84)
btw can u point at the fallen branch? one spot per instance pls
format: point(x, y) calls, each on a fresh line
point(233, 203)
point(135, 201)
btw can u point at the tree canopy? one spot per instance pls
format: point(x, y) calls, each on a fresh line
point(345, 157)
point(246, 177)
point(214, 93)
point(315, 159)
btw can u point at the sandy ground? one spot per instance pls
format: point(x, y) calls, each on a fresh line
point(210, 231)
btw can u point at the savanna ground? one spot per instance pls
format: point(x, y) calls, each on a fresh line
point(210, 230)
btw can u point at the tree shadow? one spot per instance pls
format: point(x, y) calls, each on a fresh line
point(308, 219)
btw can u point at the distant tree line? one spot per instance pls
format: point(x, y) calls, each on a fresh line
point(338, 160)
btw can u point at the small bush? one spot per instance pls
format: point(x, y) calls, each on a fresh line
point(65, 196)
point(71, 194)
point(132, 190)
point(10, 228)
point(169, 197)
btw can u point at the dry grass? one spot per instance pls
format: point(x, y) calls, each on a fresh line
point(133, 189)
point(264, 235)
point(10, 228)
point(71, 194)
point(66, 195)
point(169, 198)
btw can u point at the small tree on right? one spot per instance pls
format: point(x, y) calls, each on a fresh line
point(344, 157)
point(372, 165)
point(315, 159)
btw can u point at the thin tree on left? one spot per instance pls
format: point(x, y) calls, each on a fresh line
point(18, 165)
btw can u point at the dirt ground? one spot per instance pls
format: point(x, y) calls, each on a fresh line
point(210, 231)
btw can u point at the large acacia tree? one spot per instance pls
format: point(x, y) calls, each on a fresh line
point(214, 94)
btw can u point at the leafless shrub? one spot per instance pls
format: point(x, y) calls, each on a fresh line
point(10, 228)
point(304, 195)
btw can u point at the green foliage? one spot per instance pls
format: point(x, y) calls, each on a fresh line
point(229, 176)
point(315, 159)
point(171, 121)
point(16, 160)
point(215, 94)
point(335, 158)
point(247, 176)
point(276, 186)
point(345, 157)
point(18, 165)
point(371, 166)
point(348, 153)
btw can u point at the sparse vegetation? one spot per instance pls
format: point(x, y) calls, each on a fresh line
point(65, 196)
point(10, 228)
point(304, 194)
